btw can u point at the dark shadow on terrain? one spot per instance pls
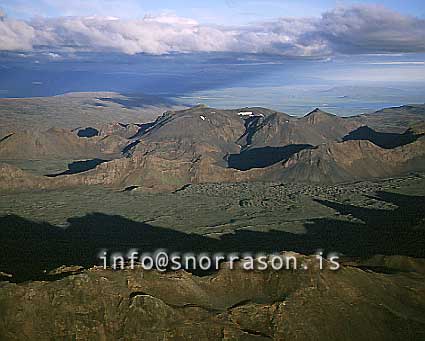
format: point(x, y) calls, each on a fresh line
point(88, 132)
point(128, 147)
point(143, 128)
point(250, 124)
point(135, 101)
point(384, 140)
point(79, 167)
point(130, 188)
point(263, 157)
point(99, 105)
point(6, 137)
point(30, 247)
point(124, 125)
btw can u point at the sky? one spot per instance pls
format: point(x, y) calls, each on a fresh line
point(290, 28)
point(207, 11)
point(82, 26)
point(156, 46)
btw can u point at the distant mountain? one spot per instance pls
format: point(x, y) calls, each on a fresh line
point(363, 92)
point(79, 109)
point(396, 119)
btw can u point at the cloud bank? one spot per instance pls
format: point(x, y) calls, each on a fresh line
point(347, 30)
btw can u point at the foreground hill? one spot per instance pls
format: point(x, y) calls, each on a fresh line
point(101, 304)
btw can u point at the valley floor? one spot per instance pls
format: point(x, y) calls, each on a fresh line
point(357, 219)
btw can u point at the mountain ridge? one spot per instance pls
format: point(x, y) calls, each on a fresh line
point(196, 145)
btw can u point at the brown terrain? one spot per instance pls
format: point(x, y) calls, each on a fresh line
point(202, 144)
point(197, 158)
point(99, 304)
point(71, 110)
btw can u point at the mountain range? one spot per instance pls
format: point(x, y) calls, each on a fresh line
point(202, 144)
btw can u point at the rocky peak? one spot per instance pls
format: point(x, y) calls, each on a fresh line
point(318, 115)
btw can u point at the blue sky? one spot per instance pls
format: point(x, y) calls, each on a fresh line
point(207, 11)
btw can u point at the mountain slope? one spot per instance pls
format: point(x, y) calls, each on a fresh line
point(57, 143)
point(349, 161)
point(278, 129)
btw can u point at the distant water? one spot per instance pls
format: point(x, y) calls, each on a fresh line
point(223, 81)
point(295, 103)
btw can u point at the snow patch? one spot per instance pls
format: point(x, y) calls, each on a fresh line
point(249, 114)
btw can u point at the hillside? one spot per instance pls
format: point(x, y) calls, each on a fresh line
point(229, 305)
point(350, 161)
point(56, 143)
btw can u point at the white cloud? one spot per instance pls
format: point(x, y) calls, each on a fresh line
point(52, 55)
point(15, 35)
point(354, 30)
point(372, 29)
point(397, 63)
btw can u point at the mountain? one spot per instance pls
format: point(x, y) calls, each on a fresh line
point(395, 119)
point(350, 161)
point(203, 144)
point(384, 140)
point(193, 146)
point(276, 129)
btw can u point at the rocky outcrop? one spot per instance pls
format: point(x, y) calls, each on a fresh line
point(15, 179)
point(119, 129)
point(313, 304)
